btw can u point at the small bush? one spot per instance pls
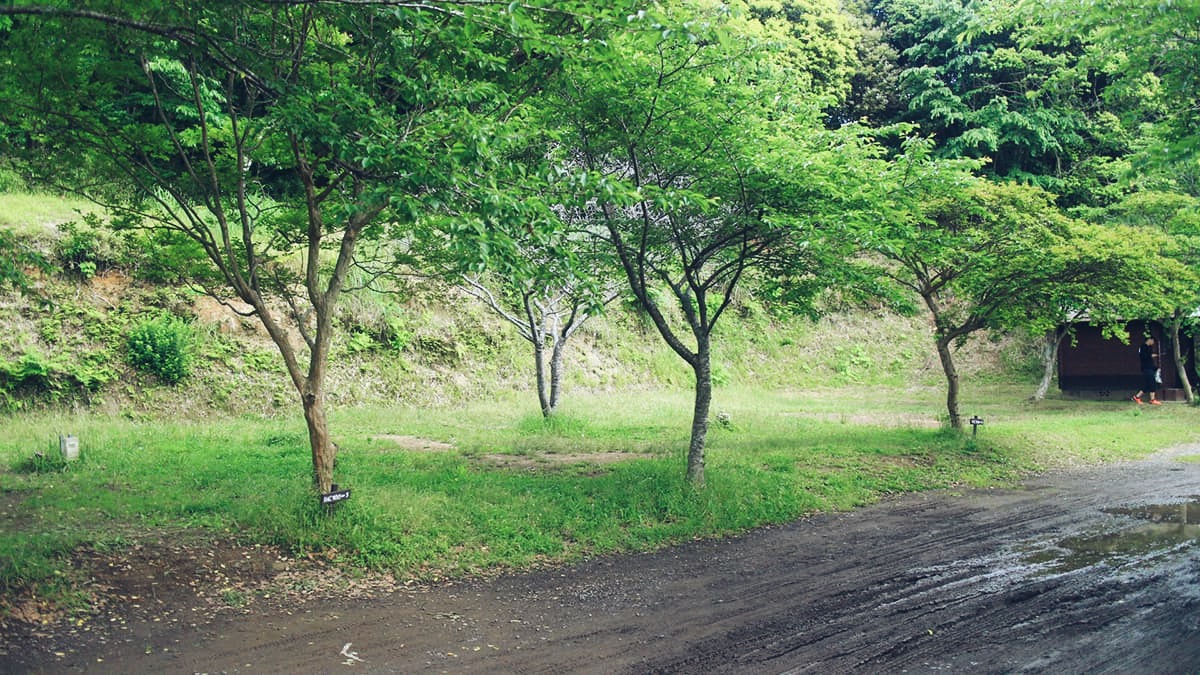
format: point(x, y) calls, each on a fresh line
point(375, 323)
point(87, 248)
point(170, 258)
point(42, 462)
point(11, 180)
point(164, 346)
point(359, 343)
point(35, 375)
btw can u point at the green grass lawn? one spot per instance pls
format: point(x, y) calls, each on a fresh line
point(31, 214)
point(504, 489)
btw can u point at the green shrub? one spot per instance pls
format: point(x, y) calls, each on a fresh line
point(397, 334)
point(171, 258)
point(87, 248)
point(358, 343)
point(374, 322)
point(11, 180)
point(37, 376)
point(16, 256)
point(164, 346)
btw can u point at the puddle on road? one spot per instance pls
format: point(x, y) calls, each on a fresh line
point(1169, 526)
point(1187, 513)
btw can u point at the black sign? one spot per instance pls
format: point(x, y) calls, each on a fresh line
point(334, 497)
point(976, 421)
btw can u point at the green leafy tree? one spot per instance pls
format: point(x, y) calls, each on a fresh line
point(986, 84)
point(875, 82)
point(1133, 281)
point(1149, 53)
point(982, 255)
point(703, 170)
point(1170, 222)
point(821, 49)
point(549, 276)
point(565, 279)
point(281, 136)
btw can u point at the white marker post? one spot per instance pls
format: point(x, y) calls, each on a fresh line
point(69, 447)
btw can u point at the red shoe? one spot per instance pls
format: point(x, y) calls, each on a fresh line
point(1154, 401)
point(1137, 400)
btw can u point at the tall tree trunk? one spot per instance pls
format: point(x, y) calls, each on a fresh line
point(539, 361)
point(1050, 343)
point(318, 439)
point(556, 366)
point(947, 357)
point(312, 394)
point(703, 369)
point(1177, 356)
point(310, 386)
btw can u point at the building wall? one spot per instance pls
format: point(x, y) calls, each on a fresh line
point(1109, 367)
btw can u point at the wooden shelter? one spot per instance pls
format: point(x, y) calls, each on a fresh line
point(1094, 366)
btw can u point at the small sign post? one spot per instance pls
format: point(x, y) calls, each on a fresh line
point(975, 422)
point(69, 447)
point(329, 499)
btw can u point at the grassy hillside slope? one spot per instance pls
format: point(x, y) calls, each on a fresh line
point(428, 345)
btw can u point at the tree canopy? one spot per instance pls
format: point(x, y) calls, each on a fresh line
point(983, 254)
point(280, 136)
point(1001, 162)
point(705, 162)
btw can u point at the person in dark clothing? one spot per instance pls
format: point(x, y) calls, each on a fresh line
point(1148, 357)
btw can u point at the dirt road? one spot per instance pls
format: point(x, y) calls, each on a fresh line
point(1095, 570)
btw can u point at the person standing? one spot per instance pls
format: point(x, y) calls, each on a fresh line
point(1148, 357)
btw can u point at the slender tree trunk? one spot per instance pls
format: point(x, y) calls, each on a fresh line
point(539, 361)
point(310, 386)
point(312, 394)
point(947, 357)
point(633, 261)
point(318, 438)
point(1177, 356)
point(556, 366)
point(944, 338)
point(703, 369)
point(1050, 344)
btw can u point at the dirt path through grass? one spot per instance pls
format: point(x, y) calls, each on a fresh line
point(1094, 570)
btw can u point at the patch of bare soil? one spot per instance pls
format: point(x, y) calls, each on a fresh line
point(886, 420)
point(545, 459)
point(108, 286)
point(414, 443)
point(231, 318)
point(12, 516)
point(525, 461)
point(174, 581)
